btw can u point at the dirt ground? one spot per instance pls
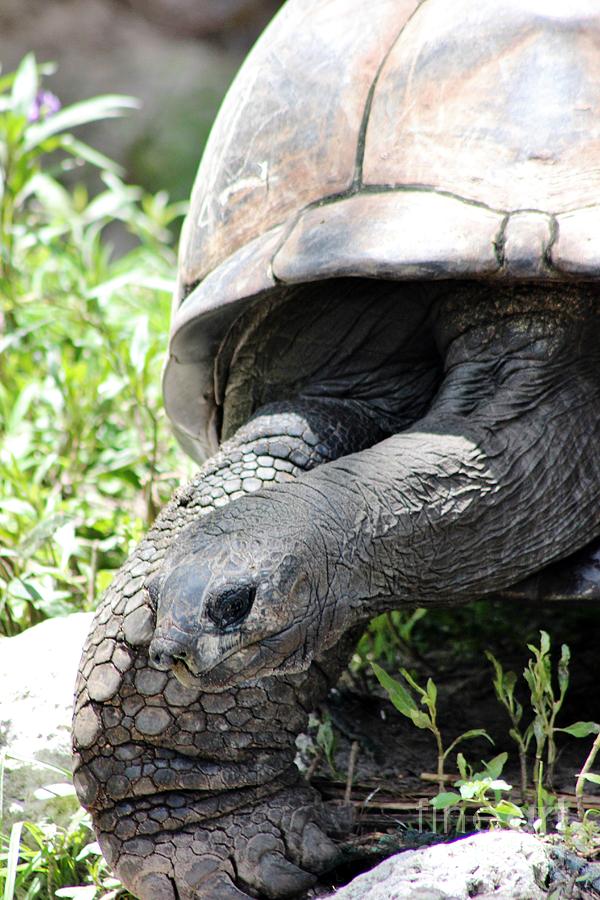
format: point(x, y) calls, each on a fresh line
point(390, 790)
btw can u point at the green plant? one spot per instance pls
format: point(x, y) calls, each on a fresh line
point(475, 790)
point(389, 636)
point(405, 702)
point(545, 702)
point(583, 835)
point(480, 792)
point(546, 706)
point(326, 741)
point(32, 126)
point(86, 458)
point(504, 686)
point(581, 730)
point(43, 860)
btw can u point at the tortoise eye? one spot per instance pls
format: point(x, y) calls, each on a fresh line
point(231, 607)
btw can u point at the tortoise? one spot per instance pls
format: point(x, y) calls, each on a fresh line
point(385, 339)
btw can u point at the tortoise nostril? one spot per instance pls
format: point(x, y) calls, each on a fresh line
point(162, 660)
point(164, 654)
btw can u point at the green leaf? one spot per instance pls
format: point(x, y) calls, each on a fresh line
point(92, 849)
point(17, 757)
point(517, 737)
point(517, 711)
point(494, 767)
point(67, 541)
point(538, 730)
point(52, 791)
point(79, 892)
point(33, 592)
point(595, 779)
point(462, 766)
point(581, 729)
point(471, 789)
point(17, 507)
point(25, 86)
point(89, 155)
point(140, 343)
point(499, 784)
point(107, 205)
point(431, 692)
point(41, 533)
point(12, 860)
point(402, 700)
point(414, 684)
point(563, 671)
point(445, 800)
point(52, 195)
point(420, 719)
point(498, 672)
point(107, 106)
point(506, 808)
point(134, 278)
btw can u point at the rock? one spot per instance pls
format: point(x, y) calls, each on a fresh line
point(37, 673)
point(488, 865)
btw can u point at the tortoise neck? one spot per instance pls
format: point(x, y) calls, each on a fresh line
point(498, 479)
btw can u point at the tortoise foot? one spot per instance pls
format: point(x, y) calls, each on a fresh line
point(276, 849)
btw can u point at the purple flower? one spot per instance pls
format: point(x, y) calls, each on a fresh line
point(45, 104)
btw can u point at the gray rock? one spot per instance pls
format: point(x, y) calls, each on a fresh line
point(503, 864)
point(37, 674)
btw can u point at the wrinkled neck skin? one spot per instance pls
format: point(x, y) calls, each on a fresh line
point(469, 467)
point(497, 478)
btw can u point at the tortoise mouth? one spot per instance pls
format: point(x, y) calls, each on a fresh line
point(282, 651)
point(235, 666)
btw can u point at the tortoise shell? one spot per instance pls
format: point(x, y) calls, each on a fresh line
point(394, 139)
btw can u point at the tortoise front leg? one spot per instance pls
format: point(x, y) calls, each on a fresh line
point(195, 794)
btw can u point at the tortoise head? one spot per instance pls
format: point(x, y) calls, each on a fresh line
point(229, 609)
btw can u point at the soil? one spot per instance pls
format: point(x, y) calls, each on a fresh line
point(393, 780)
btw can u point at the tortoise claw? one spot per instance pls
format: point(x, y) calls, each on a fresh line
point(264, 867)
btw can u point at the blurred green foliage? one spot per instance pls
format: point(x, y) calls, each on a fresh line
point(86, 457)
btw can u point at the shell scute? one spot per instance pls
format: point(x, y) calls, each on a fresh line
point(288, 131)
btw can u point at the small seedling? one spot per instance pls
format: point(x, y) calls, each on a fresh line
point(405, 702)
point(582, 836)
point(546, 705)
point(326, 741)
point(504, 686)
point(480, 792)
point(580, 730)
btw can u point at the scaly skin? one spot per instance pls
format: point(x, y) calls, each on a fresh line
point(193, 793)
point(222, 631)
